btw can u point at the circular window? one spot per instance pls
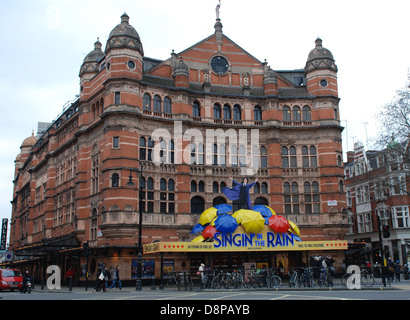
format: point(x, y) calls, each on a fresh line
point(131, 64)
point(219, 65)
point(323, 83)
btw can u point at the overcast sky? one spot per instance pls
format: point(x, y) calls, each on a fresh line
point(44, 42)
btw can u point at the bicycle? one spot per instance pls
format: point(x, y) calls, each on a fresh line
point(273, 280)
point(172, 280)
point(325, 278)
point(294, 279)
point(366, 278)
point(307, 278)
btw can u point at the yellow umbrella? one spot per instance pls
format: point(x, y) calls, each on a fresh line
point(208, 216)
point(238, 215)
point(198, 239)
point(252, 221)
point(294, 228)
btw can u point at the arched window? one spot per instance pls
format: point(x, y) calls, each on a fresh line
point(147, 102)
point(193, 186)
point(163, 185)
point(115, 180)
point(237, 114)
point(261, 201)
point(309, 158)
point(289, 157)
point(197, 204)
point(257, 113)
point(287, 117)
point(296, 114)
point(227, 112)
point(196, 109)
point(157, 104)
point(264, 187)
point(291, 197)
point(167, 105)
point(218, 200)
point(143, 149)
point(222, 155)
point(201, 186)
point(264, 157)
point(306, 114)
point(242, 159)
point(257, 188)
point(215, 187)
point(217, 111)
point(167, 196)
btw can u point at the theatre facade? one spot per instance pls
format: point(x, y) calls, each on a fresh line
point(187, 123)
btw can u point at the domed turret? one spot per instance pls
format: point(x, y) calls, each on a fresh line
point(124, 36)
point(90, 64)
point(29, 142)
point(320, 58)
point(321, 72)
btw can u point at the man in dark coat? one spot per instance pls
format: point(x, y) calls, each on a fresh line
point(240, 191)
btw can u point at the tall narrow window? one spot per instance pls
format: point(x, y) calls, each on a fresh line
point(196, 109)
point(227, 112)
point(257, 113)
point(157, 104)
point(143, 149)
point(287, 117)
point(167, 105)
point(237, 112)
point(296, 114)
point(117, 98)
point(217, 111)
point(306, 114)
point(147, 102)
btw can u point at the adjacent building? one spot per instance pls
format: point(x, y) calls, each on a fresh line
point(377, 191)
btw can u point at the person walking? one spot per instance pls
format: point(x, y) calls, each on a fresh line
point(116, 279)
point(70, 278)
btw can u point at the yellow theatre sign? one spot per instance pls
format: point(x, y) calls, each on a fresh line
point(266, 240)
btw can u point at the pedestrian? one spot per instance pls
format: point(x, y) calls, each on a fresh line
point(397, 270)
point(201, 274)
point(116, 278)
point(70, 278)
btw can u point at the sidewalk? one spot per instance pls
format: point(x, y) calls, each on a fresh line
point(403, 285)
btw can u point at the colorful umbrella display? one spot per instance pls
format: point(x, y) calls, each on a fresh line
point(226, 224)
point(199, 239)
point(223, 208)
point(294, 228)
point(252, 221)
point(197, 228)
point(208, 216)
point(209, 232)
point(265, 211)
point(279, 224)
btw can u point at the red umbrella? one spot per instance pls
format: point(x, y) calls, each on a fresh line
point(209, 232)
point(279, 224)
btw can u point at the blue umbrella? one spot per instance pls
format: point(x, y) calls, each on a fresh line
point(263, 210)
point(226, 224)
point(223, 208)
point(197, 228)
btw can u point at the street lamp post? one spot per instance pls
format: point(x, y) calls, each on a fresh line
point(138, 284)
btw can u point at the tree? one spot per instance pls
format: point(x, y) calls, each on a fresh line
point(394, 139)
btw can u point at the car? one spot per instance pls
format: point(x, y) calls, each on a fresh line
point(11, 279)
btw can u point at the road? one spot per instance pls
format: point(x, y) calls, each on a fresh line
point(396, 292)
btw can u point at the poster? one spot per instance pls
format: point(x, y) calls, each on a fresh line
point(147, 268)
